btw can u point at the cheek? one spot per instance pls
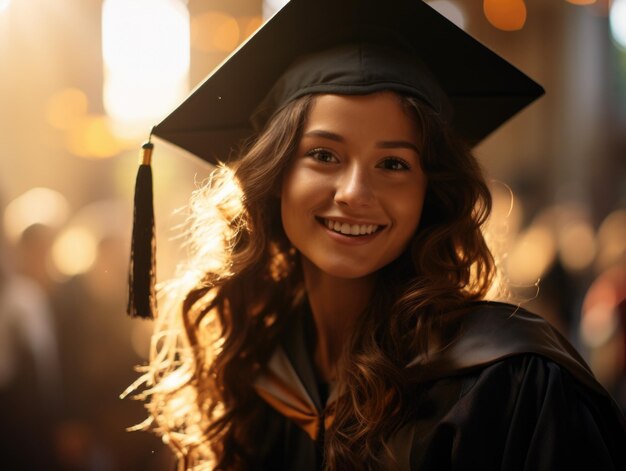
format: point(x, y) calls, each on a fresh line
point(293, 198)
point(408, 210)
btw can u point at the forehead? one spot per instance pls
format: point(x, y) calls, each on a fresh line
point(381, 114)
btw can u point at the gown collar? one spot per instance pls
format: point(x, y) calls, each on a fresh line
point(290, 383)
point(484, 334)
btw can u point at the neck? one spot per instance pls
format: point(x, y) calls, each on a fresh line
point(336, 304)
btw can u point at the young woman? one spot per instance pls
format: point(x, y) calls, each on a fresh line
point(333, 313)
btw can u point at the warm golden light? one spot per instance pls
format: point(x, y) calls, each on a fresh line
point(250, 25)
point(141, 333)
point(145, 48)
point(74, 251)
point(214, 31)
point(611, 240)
point(4, 5)
point(92, 137)
point(577, 245)
point(532, 255)
point(66, 107)
point(582, 2)
point(36, 206)
point(507, 15)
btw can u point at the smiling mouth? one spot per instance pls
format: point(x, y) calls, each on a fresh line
point(352, 230)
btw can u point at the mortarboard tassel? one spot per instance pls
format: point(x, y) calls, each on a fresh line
point(142, 273)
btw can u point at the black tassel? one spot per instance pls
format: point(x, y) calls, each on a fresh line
point(142, 273)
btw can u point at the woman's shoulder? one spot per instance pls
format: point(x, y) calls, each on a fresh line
point(511, 393)
point(484, 333)
point(521, 412)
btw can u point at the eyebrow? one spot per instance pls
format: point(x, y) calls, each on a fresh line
point(398, 144)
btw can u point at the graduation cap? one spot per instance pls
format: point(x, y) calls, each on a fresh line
point(332, 46)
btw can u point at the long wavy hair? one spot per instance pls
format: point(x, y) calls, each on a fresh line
point(222, 316)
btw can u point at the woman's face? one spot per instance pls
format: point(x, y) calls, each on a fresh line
point(352, 197)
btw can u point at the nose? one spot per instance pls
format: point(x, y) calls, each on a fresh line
point(354, 188)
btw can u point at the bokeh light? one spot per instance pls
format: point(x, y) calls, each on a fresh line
point(36, 206)
point(250, 25)
point(450, 10)
point(582, 2)
point(576, 245)
point(533, 253)
point(598, 324)
point(92, 137)
point(507, 15)
point(66, 107)
point(74, 251)
point(214, 31)
point(617, 20)
point(611, 240)
point(145, 48)
point(4, 5)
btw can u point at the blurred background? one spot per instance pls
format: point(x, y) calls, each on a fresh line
point(83, 81)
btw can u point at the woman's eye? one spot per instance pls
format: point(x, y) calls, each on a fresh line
point(394, 163)
point(321, 155)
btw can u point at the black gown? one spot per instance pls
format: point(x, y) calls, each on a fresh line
point(510, 394)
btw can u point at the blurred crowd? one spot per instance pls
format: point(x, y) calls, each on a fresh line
point(66, 354)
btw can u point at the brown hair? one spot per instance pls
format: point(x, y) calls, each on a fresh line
point(222, 335)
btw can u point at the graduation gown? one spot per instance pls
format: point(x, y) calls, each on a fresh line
point(510, 394)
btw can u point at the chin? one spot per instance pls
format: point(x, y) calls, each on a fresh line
point(347, 271)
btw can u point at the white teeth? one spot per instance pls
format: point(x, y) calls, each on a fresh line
point(350, 229)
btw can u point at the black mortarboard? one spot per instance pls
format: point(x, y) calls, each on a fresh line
point(344, 47)
point(483, 88)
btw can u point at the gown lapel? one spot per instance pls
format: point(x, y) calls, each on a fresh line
point(289, 383)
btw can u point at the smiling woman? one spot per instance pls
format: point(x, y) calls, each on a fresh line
point(341, 322)
point(356, 168)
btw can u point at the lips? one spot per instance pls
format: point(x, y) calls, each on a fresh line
point(350, 229)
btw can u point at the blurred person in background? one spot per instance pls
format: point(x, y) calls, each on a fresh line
point(98, 357)
point(30, 376)
point(603, 328)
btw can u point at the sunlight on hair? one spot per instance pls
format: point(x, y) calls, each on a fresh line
point(213, 222)
point(218, 199)
point(500, 231)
